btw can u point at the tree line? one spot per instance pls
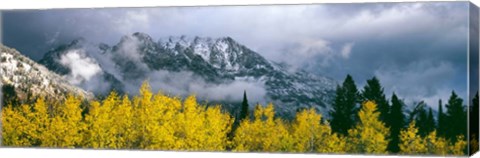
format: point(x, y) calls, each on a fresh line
point(449, 125)
point(361, 123)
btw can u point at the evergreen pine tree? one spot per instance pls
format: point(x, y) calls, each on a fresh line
point(373, 91)
point(422, 119)
point(425, 122)
point(474, 123)
point(244, 111)
point(345, 106)
point(9, 96)
point(397, 122)
point(242, 116)
point(456, 116)
point(441, 120)
point(430, 123)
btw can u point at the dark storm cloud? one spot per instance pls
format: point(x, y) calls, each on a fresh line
point(394, 41)
point(474, 49)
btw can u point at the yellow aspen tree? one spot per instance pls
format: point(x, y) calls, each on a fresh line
point(280, 139)
point(436, 145)
point(458, 147)
point(268, 142)
point(370, 134)
point(263, 134)
point(100, 123)
point(92, 134)
point(306, 131)
point(335, 143)
point(15, 127)
point(9, 134)
point(25, 126)
point(108, 122)
point(40, 122)
point(192, 128)
point(145, 118)
point(217, 125)
point(123, 123)
point(67, 125)
point(161, 129)
point(246, 138)
point(169, 125)
point(28, 128)
point(56, 128)
point(284, 136)
point(310, 135)
point(474, 144)
point(137, 135)
point(410, 142)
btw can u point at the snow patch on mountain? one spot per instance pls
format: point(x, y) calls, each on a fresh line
point(214, 69)
point(29, 78)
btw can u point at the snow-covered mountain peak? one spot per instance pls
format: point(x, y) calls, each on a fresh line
point(181, 64)
point(29, 78)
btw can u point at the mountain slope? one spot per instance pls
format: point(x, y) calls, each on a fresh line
point(26, 77)
point(205, 66)
point(59, 60)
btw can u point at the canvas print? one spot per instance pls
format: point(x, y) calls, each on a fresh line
point(353, 78)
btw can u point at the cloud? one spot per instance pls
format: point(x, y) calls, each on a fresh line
point(89, 65)
point(420, 81)
point(298, 54)
point(85, 71)
point(132, 20)
point(53, 38)
point(327, 39)
point(186, 83)
point(346, 50)
point(286, 24)
point(82, 68)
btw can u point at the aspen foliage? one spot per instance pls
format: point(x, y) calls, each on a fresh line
point(264, 133)
point(166, 123)
point(15, 127)
point(123, 124)
point(202, 128)
point(458, 148)
point(156, 121)
point(310, 135)
point(411, 142)
point(67, 126)
point(40, 122)
point(148, 120)
point(35, 122)
point(370, 134)
point(436, 145)
point(474, 144)
point(109, 123)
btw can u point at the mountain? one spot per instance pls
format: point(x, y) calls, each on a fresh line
point(25, 78)
point(65, 59)
point(212, 63)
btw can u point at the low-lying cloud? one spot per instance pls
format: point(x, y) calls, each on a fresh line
point(186, 83)
point(88, 66)
point(82, 67)
point(84, 71)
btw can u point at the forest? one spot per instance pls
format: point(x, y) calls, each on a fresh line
point(362, 122)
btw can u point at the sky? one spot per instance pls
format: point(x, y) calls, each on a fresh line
point(417, 50)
